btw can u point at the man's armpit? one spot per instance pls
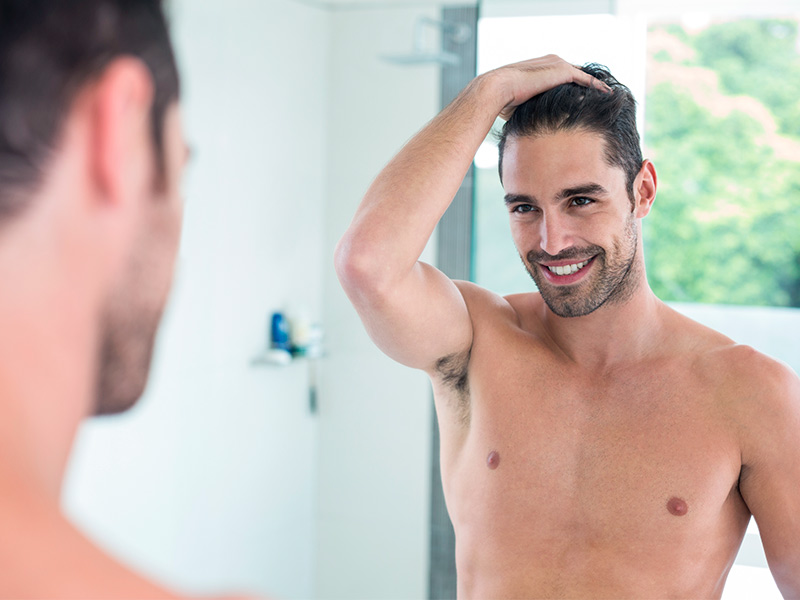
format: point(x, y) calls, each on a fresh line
point(453, 372)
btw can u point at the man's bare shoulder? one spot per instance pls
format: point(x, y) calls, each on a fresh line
point(489, 309)
point(483, 303)
point(765, 391)
point(754, 385)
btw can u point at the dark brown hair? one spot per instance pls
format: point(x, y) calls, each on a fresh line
point(50, 49)
point(574, 107)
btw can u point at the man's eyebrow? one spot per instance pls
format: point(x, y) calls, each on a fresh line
point(515, 198)
point(588, 189)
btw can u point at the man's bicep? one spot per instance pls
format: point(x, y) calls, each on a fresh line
point(770, 482)
point(773, 500)
point(418, 321)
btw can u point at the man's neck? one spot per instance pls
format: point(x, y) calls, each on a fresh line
point(615, 333)
point(47, 354)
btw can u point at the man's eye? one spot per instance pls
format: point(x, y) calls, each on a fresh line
point(522, 208)
point(581, 201)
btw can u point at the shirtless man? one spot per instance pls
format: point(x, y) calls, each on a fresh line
point(91, 156)
point(594, 442)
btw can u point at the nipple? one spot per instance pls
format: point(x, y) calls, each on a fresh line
point(493, 460)
point(677, 506)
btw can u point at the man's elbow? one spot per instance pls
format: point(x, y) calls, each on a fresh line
point(357, 268)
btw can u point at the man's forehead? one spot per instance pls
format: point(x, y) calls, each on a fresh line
point(569, 141)
point(559, 160)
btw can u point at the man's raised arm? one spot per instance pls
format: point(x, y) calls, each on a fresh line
point(412, 311)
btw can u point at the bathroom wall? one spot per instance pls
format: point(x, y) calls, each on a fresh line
point(375, 416)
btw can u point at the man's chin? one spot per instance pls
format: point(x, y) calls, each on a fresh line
point(123, 375)
point(569, 311)
point(119, 399)
point(567, 302)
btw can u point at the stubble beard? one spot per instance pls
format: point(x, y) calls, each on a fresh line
point(130, 322)
point(129, 327)
point(614, 281)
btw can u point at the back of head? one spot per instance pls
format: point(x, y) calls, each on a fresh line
point(50, 49)
point(572, 107)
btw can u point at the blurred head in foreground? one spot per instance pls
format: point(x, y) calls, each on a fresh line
point(91, 154)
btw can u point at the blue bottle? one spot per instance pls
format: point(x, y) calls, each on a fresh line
point(279, 332)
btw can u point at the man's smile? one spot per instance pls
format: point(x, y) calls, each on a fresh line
point(567, 269)
point(566, 273)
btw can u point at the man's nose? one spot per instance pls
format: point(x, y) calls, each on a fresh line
point(554, 235)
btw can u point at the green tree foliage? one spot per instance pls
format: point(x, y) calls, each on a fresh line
point(726, 224)
point(757, 58)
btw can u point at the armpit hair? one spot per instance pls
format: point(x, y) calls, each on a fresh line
point(454, 372)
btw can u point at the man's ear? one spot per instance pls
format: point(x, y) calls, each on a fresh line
point(121, 152)
point(644, 189)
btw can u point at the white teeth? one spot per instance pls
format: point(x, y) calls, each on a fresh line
point(568, 269)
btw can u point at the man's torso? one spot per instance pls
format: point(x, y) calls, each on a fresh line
point(616, 482)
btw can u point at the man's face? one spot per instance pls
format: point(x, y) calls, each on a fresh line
point(134, 309)
point(571, 220)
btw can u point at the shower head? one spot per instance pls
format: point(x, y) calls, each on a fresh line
point(457, 33)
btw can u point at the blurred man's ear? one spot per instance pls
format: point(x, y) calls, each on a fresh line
point(644, 189)
point(108, 155)
point(121, 154)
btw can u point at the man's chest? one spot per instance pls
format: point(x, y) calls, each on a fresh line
point(623, 454)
